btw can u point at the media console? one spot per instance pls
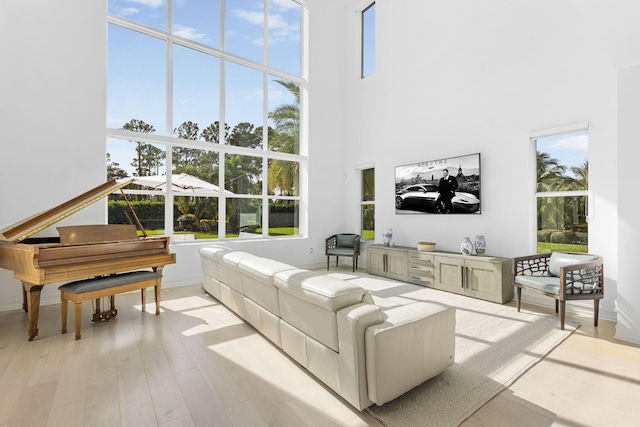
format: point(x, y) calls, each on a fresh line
point(486, 277)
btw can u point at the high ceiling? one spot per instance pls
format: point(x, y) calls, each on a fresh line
point(616, 27)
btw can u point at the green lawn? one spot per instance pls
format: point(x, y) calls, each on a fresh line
point(561, 247)
point(282, 231)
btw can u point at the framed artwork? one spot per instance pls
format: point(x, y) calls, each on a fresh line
point(449, 185)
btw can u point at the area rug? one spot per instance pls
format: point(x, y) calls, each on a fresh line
point(494, 346)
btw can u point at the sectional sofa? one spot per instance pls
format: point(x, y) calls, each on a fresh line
point(365, 353)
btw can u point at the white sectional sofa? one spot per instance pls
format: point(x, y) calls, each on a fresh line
point(367, 354)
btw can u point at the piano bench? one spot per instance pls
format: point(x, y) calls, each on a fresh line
point(100, 287)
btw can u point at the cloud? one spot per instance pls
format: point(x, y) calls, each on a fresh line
point(253, 18)
point(574, 143)
point(283, 4)
point(149, 3)
point(128, 11)
point(188, 32)
point(280, 29)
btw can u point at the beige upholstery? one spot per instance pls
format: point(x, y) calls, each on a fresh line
point(332, 328)
point(408, 336)
point(311, 300)
point(257, 281)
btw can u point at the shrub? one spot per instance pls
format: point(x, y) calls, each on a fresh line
point(563, 237)
point(545, 235)
point(187, 222)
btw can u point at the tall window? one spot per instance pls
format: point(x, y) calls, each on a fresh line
point(368, 37)
point(367, 205)
point(562, 183)
point(204, 111)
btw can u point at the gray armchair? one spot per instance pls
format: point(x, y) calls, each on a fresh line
point(343, 245)
point(563, 276)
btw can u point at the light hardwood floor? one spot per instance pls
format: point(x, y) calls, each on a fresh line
point(199, 364)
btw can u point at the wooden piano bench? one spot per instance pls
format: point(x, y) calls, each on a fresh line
point(106, 286)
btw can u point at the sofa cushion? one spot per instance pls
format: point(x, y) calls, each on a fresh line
point(309, 301)
point(232, 258)
point(225, 268)
point(324, 291)
point(551, 284)
point(211, 251)
point(345, 240)
point(341, 251)
point(561, 259)
point(210, 265)
point(257, 281)
point(547, 284)
point(262, 269)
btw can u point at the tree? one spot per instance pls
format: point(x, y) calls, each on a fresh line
point(148, 157)
point(549, 171)
point(114, 170)
point(286, 118)
point(212, 132)
point(186, 156)
point(152, 160)
point(283, 176)
point(560, 212)
point(582, 175)
point(244, 134)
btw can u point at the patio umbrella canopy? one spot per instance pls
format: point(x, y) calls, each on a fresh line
point(180, 183)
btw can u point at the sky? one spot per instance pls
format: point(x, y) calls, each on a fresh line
point(570, 149)
point(137, 64)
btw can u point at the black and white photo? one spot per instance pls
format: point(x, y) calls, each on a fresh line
point(443, 186)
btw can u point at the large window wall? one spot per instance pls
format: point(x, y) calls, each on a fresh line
point(204, 102)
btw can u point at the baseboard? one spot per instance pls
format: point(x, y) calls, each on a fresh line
point(627, 335)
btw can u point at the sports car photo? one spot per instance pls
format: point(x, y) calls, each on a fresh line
point(425, 198)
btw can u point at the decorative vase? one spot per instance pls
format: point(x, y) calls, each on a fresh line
point(481, 245)
point(386, 237)
point(466, 247)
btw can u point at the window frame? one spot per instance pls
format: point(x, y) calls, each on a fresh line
point(533, 141)
point(364, 39)
point(362, 203)
point(165, 137)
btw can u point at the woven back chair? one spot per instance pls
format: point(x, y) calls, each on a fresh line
point(564, 276)
point(344, 244)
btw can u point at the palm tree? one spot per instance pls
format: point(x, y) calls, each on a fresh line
point(550, 172)
point(283, 175)
point(286, 118)
point(582, 175)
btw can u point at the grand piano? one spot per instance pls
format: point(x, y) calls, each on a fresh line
point(79, 252)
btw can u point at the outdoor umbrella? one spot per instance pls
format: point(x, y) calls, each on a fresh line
point(180, 183)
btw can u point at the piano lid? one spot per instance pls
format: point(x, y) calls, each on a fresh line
point(30, 226)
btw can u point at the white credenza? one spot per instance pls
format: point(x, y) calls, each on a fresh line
point(386, 262)
point(485, 277)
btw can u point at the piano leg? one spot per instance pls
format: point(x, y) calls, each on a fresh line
point(32, 295)
point(156, 289)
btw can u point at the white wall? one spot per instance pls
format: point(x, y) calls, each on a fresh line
point(52, 112)
point(628, 291)
point(455, 78)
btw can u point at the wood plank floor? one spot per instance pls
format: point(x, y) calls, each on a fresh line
point(197, 364)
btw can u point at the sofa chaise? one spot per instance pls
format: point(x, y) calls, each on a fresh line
point(365, 353)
